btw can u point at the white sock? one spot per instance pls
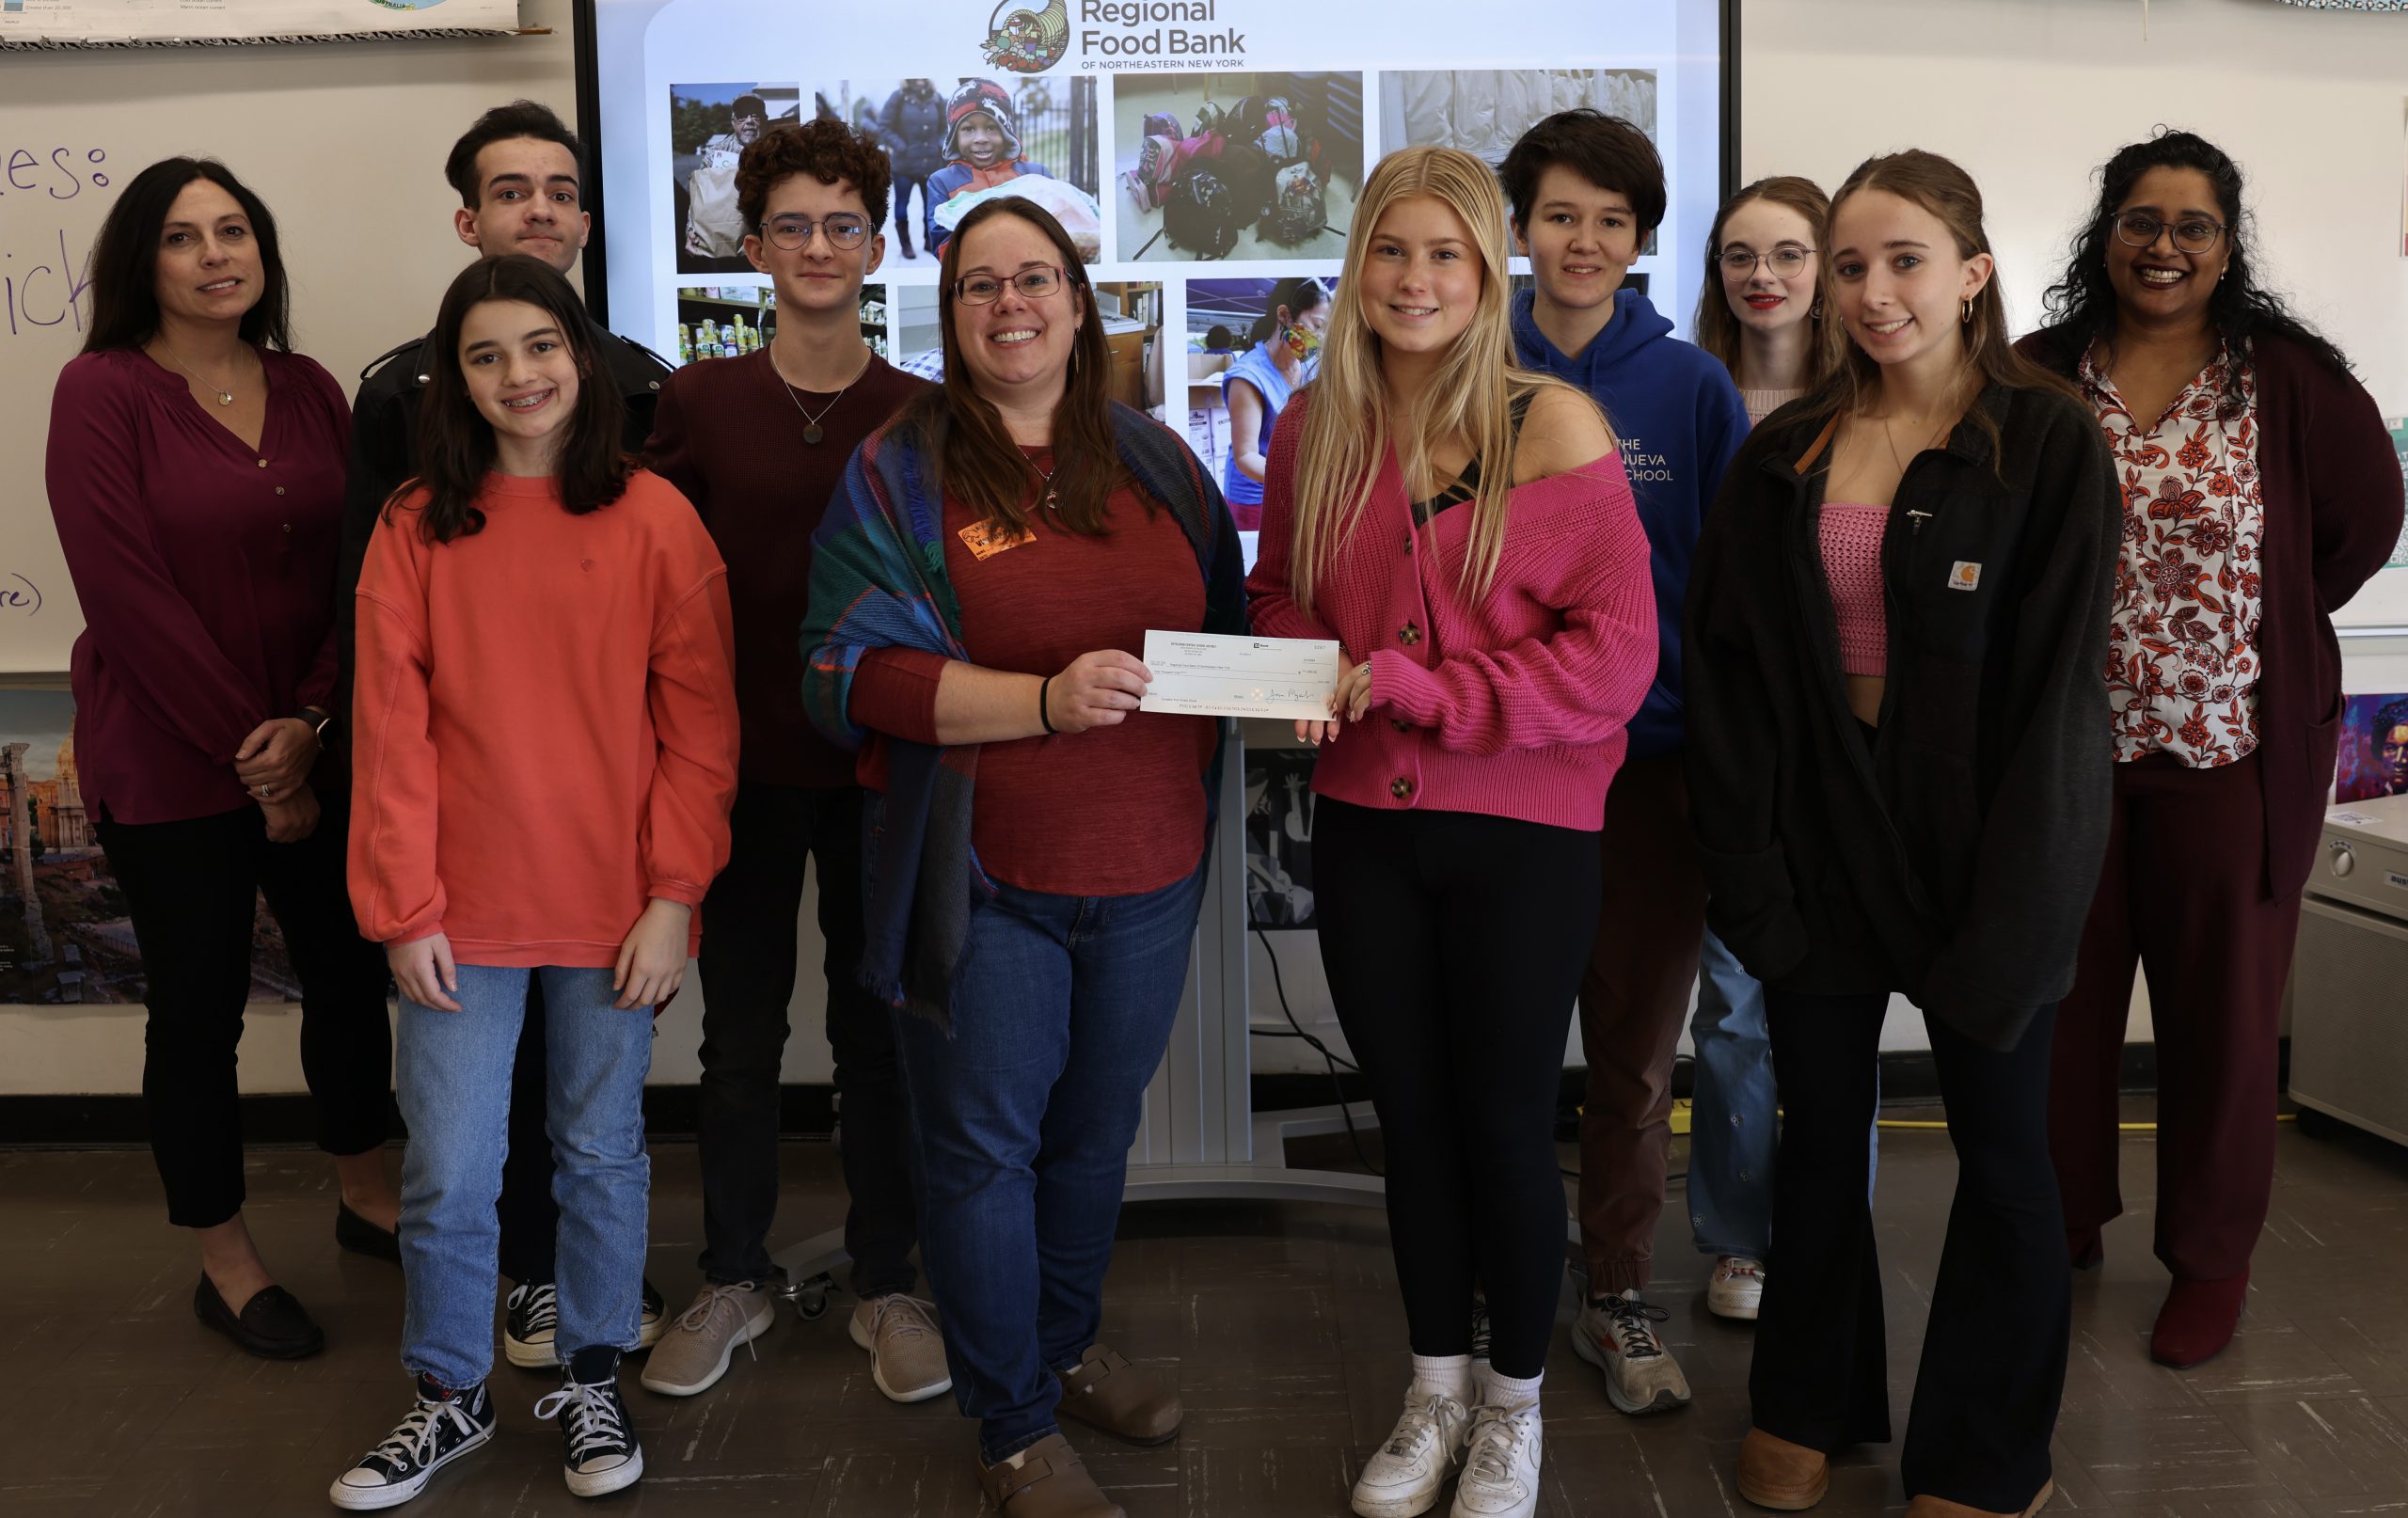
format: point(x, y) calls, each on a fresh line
point(1505, 1391)
point(1449, 1373)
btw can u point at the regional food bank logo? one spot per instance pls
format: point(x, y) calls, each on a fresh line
point(1025, 40)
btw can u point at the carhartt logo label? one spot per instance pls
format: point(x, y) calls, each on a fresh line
point(1964, 575)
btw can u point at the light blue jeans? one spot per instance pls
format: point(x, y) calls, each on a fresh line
point(1735, 1116)
point(451, 1075)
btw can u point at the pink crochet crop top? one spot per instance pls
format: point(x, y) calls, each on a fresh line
point(1851, 543)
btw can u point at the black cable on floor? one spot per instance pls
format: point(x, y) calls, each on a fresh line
point(1296, 1030)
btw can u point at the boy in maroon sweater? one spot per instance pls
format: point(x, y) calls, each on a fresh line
point(758, 445)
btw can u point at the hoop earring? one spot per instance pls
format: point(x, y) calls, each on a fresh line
point(1814, 312)
point(1967, 316)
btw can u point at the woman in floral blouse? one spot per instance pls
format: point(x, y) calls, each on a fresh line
point(2260, 490)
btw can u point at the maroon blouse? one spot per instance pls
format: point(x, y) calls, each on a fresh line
point(206, 572)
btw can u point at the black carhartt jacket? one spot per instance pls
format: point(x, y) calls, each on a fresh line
point(1954, 857)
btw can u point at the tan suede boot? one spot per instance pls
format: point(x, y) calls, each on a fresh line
point(1930, 1506)
point(1776, 1473)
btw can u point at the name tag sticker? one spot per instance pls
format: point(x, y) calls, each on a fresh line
point(986, 540)
point(1964, 575)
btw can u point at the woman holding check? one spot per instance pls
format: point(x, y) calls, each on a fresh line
point(993, 553)
point(1462, 528)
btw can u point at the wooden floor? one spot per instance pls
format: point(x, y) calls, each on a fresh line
point(1283, 1324)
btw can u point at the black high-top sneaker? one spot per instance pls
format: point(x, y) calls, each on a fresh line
point(598, 1448)
point(443, 1425)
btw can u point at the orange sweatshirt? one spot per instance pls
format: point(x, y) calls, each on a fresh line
point(545, 725)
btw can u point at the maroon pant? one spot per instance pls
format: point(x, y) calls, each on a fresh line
point(2183, 894)
point(1634, 999)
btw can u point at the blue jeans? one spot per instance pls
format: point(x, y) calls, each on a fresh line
point(1021, 1117)
point(1734, 1114)
point(453, 1080)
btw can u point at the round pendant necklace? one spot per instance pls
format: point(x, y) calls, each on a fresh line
point(811, 430)
point(225, 398)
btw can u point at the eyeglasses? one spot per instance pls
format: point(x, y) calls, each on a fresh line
point(1036, 282)
point(1739, 263)
point(2191, 234)
point(844, 229)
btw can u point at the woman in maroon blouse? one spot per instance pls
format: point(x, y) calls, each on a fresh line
point(196, 474)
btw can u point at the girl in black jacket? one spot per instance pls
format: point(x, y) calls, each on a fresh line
point(1896, 713)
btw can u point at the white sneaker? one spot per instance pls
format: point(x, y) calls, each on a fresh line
point(1500, 1464)
point(1617, 1334)
point(1402, 1478)
point(1737, 1289)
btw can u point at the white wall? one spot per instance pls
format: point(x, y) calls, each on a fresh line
point(2028, 95)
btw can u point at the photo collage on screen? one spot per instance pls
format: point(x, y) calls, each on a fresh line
point(1211, 207)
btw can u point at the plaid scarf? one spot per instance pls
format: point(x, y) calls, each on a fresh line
point(878, 580)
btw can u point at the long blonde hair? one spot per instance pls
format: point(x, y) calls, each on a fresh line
point(1347, 428)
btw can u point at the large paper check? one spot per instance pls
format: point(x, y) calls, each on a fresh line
point(1218, 674)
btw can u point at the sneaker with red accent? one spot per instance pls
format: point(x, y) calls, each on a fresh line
point(1617, 1334)
point(1737, 1289)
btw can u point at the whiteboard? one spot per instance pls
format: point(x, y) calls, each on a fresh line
point(2030, 97)
point(344, 141)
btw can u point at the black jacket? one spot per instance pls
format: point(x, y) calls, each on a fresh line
point(1954, 859)
point(914, 128)
point(384, 437)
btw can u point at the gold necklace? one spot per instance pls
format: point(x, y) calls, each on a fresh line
point(225, 398)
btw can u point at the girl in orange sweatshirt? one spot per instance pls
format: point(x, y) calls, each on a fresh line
point(545, 674)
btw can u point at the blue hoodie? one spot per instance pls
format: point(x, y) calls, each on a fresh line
point(1680, 419)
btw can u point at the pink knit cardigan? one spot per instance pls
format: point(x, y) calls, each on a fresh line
point(1513, 704)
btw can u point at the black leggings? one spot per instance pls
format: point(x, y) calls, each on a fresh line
point(1994, 1348)
point(192, 890)
point(1454, 944)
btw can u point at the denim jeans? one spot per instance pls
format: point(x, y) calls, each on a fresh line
point(1022, 1112)
point(747, 969)
point(1734, 1114)
point(452, 1071)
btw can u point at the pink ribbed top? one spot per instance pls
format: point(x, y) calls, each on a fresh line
point(1851, 540)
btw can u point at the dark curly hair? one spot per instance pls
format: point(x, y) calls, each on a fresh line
point(2082, 306)
point(829, 152)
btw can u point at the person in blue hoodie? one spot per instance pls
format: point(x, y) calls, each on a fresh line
point(1586, 190)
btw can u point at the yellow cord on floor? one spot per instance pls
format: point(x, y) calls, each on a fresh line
point(1681, 1122)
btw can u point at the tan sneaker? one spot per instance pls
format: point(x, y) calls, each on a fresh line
point(1617, 1334)
point(1045, 1481)
point(694, 1350)
point(907, 1358)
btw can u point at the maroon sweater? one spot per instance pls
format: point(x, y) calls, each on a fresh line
point(206, 571)
point(728, 437)
point(1114, 810)
point(2331, 484)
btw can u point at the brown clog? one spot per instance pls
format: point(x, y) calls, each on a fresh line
point(1045, 1481)
point(1931, 1507)
point(1776, 1473)
point(1127, 1401)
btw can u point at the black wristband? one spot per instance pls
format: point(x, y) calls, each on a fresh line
point(1043, 690)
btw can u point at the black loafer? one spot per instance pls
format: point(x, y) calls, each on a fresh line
point(362, 1236)
point(272, 1324)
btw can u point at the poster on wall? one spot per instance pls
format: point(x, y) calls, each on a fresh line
point(1199, 152)
point(2373, 758)
point(64, 934)
point(31, 24)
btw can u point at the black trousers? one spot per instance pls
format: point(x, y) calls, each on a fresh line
point(531, 1220)
point(748, 967)
point(1994, 1349)
point(1454, 946)
point(192, 889)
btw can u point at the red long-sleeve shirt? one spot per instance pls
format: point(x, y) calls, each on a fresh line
point(205, 570)
point(546, 727)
